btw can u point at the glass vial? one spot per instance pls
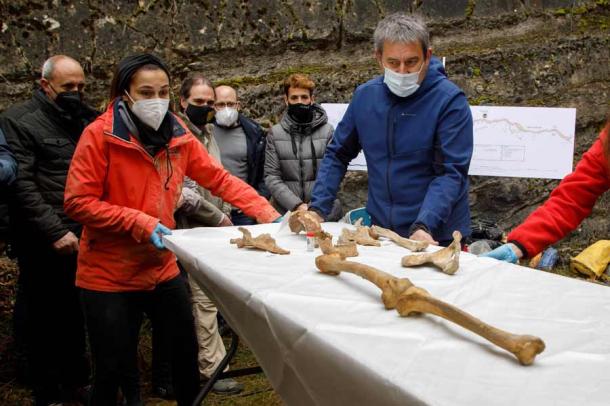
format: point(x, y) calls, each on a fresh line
point(311, 241)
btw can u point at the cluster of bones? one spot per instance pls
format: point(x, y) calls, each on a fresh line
point(397, 293)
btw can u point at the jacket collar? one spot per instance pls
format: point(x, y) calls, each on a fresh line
point(117, 126)
point(293, 128)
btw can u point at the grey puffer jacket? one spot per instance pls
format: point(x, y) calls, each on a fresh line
point(292, 158)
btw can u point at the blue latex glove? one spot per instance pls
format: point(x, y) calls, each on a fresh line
point(279, 219)
point(156, 237)
point(503, 253)
point(352, 216)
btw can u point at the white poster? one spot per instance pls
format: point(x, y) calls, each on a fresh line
point(527, 142)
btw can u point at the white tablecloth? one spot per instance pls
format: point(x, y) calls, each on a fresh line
point(324, 340)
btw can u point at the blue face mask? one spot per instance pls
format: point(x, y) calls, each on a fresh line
point(402, 84)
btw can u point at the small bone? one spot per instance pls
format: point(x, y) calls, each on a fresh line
point(413, 245)
point(304, 221)
point(325, 241)
point(263, 242)
point(408, 299)
point(360, 236)
point(447, 259)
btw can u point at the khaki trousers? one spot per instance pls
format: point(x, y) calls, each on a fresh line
point(211, 347)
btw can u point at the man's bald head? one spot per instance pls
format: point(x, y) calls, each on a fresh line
point(226, 96)
point(226, 92)
point(60, 73)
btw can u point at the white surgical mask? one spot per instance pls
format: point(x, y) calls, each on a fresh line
point(150, 111)
point(402, 84)
point(227, 116)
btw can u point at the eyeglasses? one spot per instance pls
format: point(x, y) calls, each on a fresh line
point(222, 105)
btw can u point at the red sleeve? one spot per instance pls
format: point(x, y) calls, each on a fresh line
point(85, 187)
point(206, 171)
point(568, 205)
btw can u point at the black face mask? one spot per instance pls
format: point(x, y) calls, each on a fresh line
point(301, 113)
point(199, 115)
point(70, 102)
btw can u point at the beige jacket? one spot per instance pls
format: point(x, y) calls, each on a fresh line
point(200, 208)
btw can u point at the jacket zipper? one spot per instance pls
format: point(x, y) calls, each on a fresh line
point(390, 145)
point(301, 168)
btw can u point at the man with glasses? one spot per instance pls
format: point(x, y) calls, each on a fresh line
point(242, 145)
point(415, 129)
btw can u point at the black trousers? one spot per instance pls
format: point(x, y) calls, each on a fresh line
point(49, 325)
point(113, 322)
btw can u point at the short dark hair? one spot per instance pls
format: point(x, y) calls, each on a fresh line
point(191, 80)
point(299, 80)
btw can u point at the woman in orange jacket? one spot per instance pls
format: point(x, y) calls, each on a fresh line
point(123, 187)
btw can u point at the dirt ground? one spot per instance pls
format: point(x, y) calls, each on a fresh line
point(257, 390)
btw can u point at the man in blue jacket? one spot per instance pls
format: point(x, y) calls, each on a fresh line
point(415, 128)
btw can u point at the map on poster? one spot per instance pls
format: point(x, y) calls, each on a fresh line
point(528, 142)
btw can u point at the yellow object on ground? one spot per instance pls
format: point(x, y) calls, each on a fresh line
point(593, 260)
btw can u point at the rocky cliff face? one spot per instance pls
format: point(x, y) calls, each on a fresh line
point(501, 52)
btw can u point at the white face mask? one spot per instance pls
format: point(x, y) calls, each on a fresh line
point(150, 111)
point(402, 84)
point(227, 116)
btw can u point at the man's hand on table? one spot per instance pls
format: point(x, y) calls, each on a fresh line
point(225, 221)
point(421, 235)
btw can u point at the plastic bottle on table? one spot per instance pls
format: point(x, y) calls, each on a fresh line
point(311, 241)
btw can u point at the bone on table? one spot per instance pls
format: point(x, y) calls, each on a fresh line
point(360, 236)
point(408, 299)
point(447, 259)
point(263, 242)
point(325, 241)
point(413, 245)
point(304, 221)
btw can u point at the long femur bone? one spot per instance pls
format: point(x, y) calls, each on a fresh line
point(408, 299)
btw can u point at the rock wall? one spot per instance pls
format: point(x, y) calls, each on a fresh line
point(501, 52)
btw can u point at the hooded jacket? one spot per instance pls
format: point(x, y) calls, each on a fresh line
point(119, 192)
point(418, 150)
point(256, 141)
point(294, 154)
point(43, 139)
point(569, 204)
point(13, 112)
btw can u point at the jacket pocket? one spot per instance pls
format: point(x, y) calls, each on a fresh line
point(412, 134)
point(56, 142)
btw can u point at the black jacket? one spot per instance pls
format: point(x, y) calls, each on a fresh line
point(256, 141)
point(43, 141)
point(13, 112)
